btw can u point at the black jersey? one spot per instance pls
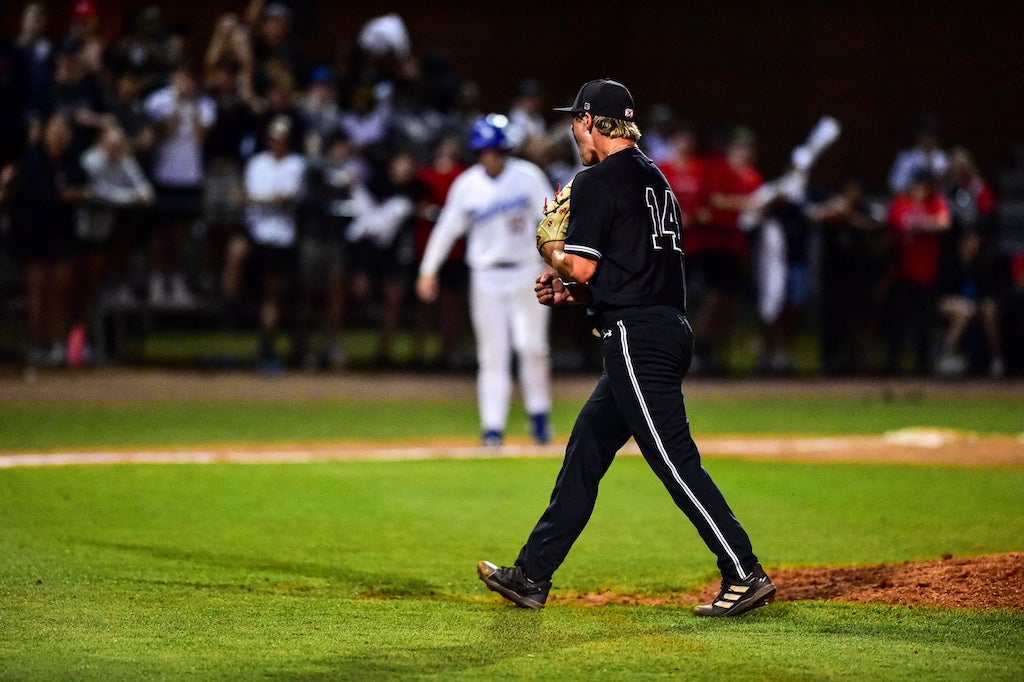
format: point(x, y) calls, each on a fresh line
point(624, 215)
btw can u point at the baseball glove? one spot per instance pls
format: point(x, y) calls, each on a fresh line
point(555, 222)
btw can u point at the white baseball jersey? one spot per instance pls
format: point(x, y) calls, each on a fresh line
point(499, 217)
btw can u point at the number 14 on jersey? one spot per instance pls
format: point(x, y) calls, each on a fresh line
point(664, 220)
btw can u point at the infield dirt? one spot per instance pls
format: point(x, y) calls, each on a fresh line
point(984, 582)
point(147, 385)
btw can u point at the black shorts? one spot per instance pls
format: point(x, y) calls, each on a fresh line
point(179, 203)
point(378, 263)
point(321, 259)
point(47, 240)
point(273, 260)
point(721, 271)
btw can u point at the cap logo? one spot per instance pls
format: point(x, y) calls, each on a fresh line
point(629, 113)
point(586, 106)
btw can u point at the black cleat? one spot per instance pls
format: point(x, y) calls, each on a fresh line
point(737, 598)
point(512, 584)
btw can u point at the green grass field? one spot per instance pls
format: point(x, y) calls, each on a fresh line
point(365, 570)
point(54, 426)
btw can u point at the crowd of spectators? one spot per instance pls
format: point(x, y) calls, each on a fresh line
point(150, 173)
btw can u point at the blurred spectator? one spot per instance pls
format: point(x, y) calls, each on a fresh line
point(440, 86)
point(918, 219)
point(661, 123)
point(854, 259)
point(384, 77)
point(230, 139)
point(415, 125)
point(971, 202)
point(685, 172)
point(381, 244)
point(367, 119)
point(274, 52)
point(783, 290)
point(925, 155)
point(85, 29)
point(182, 116)
point(972, 281)
point(717, 250)
point(526, 120)
point(319, 110)
point(447, 314)
point(145, 49)
point(78, 94)
point(34, 65)
point(273, 190)
point(118, 188)
point(280, 100)
point(127, 107)
point(229, 57)
point(467, 107)
point(323, 261)
point(558, 157)
point(48, 186)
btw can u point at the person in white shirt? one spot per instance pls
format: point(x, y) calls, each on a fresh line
point(119, 190)
point(273, 184)
point(497, 204)
point(182, 116)
point(925, 155)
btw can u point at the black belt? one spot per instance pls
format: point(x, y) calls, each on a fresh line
point(608, 316)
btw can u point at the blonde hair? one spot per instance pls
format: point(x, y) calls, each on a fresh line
point(617, 128)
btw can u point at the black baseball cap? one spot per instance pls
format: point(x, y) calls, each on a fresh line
point(603, 97)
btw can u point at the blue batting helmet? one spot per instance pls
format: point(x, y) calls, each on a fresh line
point(489, 133)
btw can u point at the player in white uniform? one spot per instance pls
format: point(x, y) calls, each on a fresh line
point(497, 204)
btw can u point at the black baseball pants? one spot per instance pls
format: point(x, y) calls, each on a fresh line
point(647, 352)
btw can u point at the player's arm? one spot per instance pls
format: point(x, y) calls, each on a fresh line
point(570, 267)
point(451, 224)
point(589, 201)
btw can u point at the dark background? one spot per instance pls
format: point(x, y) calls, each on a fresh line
point(777, 67)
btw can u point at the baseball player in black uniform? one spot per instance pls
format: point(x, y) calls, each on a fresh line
point(622, 257)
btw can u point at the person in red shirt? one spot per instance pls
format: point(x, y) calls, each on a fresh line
point(716, 247)
point(448, 313)
point(684, 171)
point(919, 219)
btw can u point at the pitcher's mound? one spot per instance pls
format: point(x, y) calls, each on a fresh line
point(985, 582)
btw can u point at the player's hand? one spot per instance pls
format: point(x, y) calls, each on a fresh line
point(550, 290)
point(427, 288)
